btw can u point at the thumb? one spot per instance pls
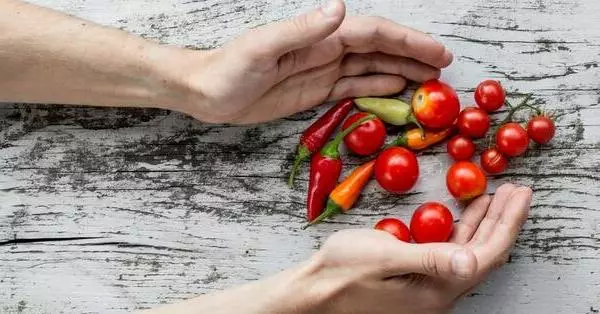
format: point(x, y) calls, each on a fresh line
point(443, 260)
point(280, 38)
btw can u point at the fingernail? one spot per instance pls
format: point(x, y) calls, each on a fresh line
point(331, 8)
point(448, 55)
point(461, 264)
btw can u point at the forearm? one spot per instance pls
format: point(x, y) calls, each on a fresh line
point(291, 291)
point(49, 57)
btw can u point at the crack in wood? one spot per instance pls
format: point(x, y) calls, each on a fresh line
point(17, 241)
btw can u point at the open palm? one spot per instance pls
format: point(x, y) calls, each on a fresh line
point(290, 66)
point(372, 272)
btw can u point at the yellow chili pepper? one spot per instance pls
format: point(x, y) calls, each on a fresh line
point(343, 197)
point(416, 140)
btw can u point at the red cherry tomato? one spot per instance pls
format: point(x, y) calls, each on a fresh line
point(431, 222)
point(541, 129)
point(465, 180)
point(366, 139)
point(512, 140)
point(461, 148)
point(490, 95)
point(397, 169)
point(493, 161)
point(435, 104)
point(396, 227)
point(473, 122)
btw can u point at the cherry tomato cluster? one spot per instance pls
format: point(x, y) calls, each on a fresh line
point(431, 222)
point(511, 139)
point(435, 112)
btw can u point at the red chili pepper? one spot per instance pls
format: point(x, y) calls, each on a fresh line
point(325, 170)
point(317, 134)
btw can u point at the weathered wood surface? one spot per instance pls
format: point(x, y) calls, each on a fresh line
point(106, 210)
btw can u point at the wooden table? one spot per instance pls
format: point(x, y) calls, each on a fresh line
point(107, 210)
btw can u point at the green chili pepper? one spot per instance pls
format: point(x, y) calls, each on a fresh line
point(392, 111)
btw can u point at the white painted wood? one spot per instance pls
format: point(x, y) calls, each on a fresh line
point(154, 207)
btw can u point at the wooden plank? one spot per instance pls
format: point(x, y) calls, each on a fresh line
point(107, 210)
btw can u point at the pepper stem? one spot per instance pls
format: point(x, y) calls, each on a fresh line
point(414, 120)
point(301, 155)
point(400, 140)
point(332, 209)
point(331, 150)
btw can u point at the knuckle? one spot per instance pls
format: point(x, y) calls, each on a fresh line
point(429, 264)
point(255, 46)
point(373, 25)
point(300, 24)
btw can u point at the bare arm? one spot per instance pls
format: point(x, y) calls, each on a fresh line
point(49, 57)
point(268, 73)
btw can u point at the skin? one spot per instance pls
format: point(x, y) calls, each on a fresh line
point(268, 73)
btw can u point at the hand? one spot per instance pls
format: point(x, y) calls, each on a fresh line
point(287, 67)
point(364, 271)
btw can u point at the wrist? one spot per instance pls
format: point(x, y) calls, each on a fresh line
point(307, 289)
point(176, 72)
point(300, 290)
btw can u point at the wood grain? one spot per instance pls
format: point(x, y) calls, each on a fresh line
point(109, 210)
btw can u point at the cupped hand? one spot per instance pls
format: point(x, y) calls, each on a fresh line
point(290, 66)
point(365, 271)
point(371, 272)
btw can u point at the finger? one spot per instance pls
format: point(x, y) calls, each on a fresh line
point(295, 94)
point(365, 63)
point(370, 34)
point(442, 260)
point(371, 85)
point(497, 205)
point(274, 40)
point(496, 249)
point(470, 220)
point(313, 56)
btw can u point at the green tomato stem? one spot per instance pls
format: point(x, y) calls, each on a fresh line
point(511, 113)
point(331, 150)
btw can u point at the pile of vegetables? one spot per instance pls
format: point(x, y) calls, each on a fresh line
point(433, 116)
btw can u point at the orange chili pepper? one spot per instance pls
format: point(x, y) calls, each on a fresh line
point(416, 140)
point(343, 197)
